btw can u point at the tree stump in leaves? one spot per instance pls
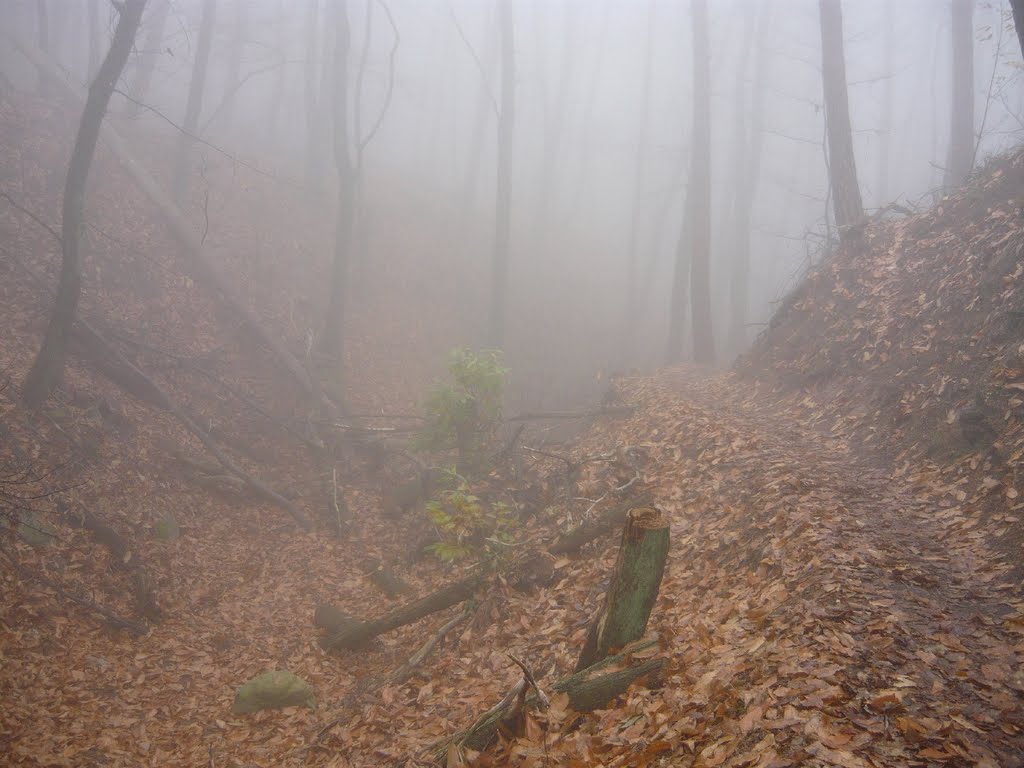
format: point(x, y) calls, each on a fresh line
point(634, 586)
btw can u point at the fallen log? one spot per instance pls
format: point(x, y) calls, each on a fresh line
point(587, 690)
point(405, 671)
point(634, 586)
point(453, 594)
point(575, 539)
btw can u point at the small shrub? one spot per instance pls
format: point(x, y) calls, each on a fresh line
point(469, 526)
point(464, 413)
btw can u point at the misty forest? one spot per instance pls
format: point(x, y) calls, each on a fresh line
point(512, 382)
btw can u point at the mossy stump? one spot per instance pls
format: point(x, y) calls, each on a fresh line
point(634, 586)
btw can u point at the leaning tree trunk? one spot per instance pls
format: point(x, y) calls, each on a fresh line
point(846, 200)
point(151, 52)
point(332, 341)
point(182, 162)
point(961, 137)
point(1018, 21)
point(48, 367)
point(634, 586)
point(503, 200)
point(93, 12)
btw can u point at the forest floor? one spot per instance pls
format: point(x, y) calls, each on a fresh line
point(843, 582)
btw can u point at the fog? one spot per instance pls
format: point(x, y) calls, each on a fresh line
point(601, 145)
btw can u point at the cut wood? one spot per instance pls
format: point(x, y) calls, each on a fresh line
point(609, 520)
point(453, 594)
point(634, 586)
point(588, 690)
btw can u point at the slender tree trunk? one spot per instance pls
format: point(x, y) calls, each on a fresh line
point(151, 52)
point(240, 35)
point(554, 125)
point(43, 31)
point(885, 130)
point(695, 238)
point(961, 137)
point(503, 203)
point(484, 110)
point(748, 176)
point(310, 83)
point(93, 11)
point(183, 160)
point(278, 97)
point(846, 200)
point(1018, 21)
point(332, 341)
point(629, 325)
point(48, 368)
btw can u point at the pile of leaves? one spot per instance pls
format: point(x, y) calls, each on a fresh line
point(908, 341)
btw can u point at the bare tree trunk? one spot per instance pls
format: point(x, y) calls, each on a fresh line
point(484, 109)
point(48, 368)
point(695, 238)
point(885, 130)
point(94, 38)
point(1018, 21)
point(629, 324)
point(239, 39)
point(961, 137)
point(183, 160)
point(748, 175)
point(554, 124)
point(332, 340)
point(151, 52)
point(277, 97)
point(43, 31)
point(846, 200)
point(310, 83)
point(503, 202)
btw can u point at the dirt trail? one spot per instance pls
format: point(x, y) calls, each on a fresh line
point(933, 634)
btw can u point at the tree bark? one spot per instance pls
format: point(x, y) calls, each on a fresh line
point(695, 237)
point(183, 154)
point(588, 690)
point(332, 340)
point(748, 168)
point(43, 41)
point(150, 54)
point(846, 199)
point(634, 586)
point(453, 594)
point(1018, 21)
point(192, 247)
point(48, 368)
point(961, 136)
point(503, 198)
point(630, 321)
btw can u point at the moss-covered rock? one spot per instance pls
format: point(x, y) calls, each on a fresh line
point(35, 531)
point(166, 529)
point(273, 690)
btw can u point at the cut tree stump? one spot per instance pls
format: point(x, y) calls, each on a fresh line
point(588, 690)
point(634, 586)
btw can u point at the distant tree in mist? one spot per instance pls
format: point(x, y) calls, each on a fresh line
point(332, 339)
point(885, 129)
point(43, 40)
point(48, 368)
point(236, 52)
point(93, 12)
point(151, 51)
point(748, 149)
point(310, 83)
point(1018, 21)
point(503, 198)
point(629, 324)
point(961, 137)
point(694, 249)
point(197, 84)
point(846, 199)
